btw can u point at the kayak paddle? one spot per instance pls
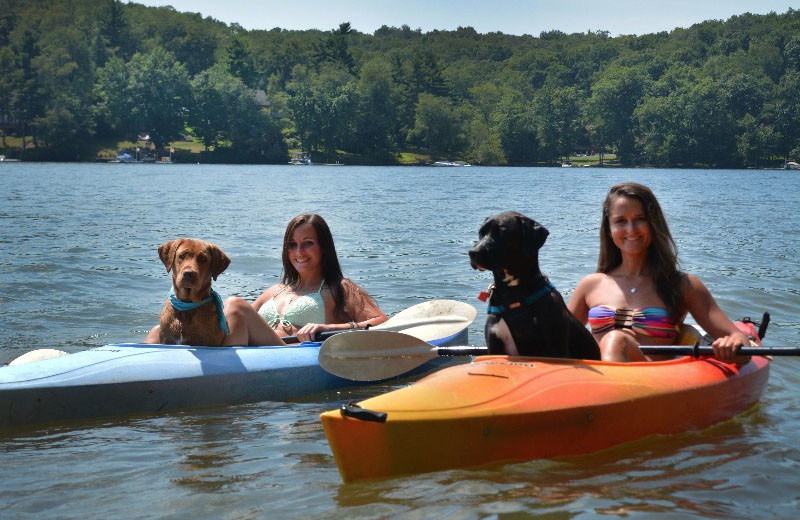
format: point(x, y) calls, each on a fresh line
point(427, 320)
point(372, 355)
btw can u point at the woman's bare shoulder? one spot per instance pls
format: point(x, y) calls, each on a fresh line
point(692, 287)
point(268, 293)
point(591, 281)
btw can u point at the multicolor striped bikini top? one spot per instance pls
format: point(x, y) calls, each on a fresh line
point(649, 321)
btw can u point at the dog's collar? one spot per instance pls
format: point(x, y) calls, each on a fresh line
point(500, 309)
point(180, 305)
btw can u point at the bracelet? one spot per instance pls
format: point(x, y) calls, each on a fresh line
point(353, 325)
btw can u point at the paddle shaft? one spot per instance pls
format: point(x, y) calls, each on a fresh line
point(460, 351)
point(675, 350)
point(689, 350)
point(322, 336)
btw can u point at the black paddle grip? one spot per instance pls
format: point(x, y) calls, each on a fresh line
point(354, 411)
point(462, 351)
point(321, 336)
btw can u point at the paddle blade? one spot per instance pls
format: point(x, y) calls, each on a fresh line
point(434, 319)
point(373, 355)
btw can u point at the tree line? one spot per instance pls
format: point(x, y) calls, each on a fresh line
point(77, 74)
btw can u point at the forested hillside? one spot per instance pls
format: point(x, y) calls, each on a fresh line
point(76, 75)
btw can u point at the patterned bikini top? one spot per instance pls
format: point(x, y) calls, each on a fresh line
point(308, 308)
point(649, 321)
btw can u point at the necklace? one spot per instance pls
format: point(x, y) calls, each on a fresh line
point(633, 287)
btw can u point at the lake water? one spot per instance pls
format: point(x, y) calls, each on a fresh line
point(79, 269)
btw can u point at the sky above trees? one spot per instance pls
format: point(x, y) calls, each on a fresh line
point(507, 16)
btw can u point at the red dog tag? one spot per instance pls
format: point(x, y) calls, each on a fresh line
point(483, 296)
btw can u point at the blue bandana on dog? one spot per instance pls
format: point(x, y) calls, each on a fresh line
point(500, 309)
point(180, 305)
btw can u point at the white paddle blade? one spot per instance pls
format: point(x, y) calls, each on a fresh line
point(431, 320)
point(373, 355)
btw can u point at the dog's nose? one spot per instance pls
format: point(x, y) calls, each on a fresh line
point(474, 262)
point(188, 276)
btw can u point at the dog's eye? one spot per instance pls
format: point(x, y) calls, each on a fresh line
point(182, 256)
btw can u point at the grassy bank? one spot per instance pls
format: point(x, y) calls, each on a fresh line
point(192, 151)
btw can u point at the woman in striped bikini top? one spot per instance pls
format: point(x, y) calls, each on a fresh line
point(638, 295)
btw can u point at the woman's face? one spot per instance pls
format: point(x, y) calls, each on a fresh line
point(304, 251)
point(630, 230)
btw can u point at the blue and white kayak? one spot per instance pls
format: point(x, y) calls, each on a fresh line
point(134, 378)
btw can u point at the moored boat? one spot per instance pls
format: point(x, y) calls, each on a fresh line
point(451, 163)
point(504, 409)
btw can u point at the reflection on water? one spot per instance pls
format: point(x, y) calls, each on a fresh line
point(79, 269)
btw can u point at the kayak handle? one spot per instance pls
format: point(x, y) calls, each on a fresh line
point(354, 411)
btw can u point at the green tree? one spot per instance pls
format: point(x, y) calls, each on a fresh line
point(755, 141)
point(335, 48)
point(8, 71)
point(483, 143)
point(783, 109)
point(377, 115)
point(661, 136)
point(255, 136)
point(150, 94)
point(226, 115)
point(66, 76)
point(710, 125)
point(517, 131)
point(558, 116)
point(239, 60)
point(115, 32)
point(28, 96)
point(214, 92)
point(437, 127)
point(610, 108)
point(323, 107)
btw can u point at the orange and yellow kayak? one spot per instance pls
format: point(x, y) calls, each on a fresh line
point(500, 408)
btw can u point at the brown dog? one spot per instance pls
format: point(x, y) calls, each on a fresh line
point(192, 315)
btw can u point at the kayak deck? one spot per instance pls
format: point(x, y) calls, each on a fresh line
point(137, 378)
point(501, 408)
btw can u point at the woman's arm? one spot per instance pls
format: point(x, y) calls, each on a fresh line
point(577, 302)
point(360, 309)
point(367, 312)
point(704, 309)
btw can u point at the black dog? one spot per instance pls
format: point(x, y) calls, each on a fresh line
point(526, 314)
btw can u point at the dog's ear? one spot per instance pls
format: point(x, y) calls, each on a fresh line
point(533, 235)
point(166, 252)
point(219, 261)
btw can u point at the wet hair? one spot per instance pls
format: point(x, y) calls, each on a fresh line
point(339, 286)
point(662, 254)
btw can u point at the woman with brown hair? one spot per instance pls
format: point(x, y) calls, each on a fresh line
point(638, 295)
point(312, 297)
